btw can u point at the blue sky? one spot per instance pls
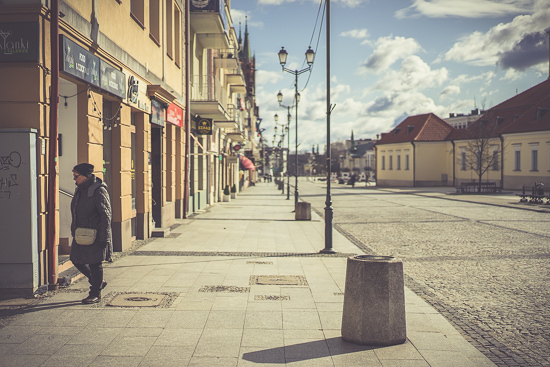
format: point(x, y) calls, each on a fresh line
point(391, 59)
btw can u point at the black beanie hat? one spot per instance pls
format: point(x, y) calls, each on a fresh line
point(85, 169)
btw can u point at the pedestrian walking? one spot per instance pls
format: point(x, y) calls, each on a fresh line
point(352, 180)
point(91, 228)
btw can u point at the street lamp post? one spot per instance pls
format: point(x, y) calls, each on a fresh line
point(284, 132)
point(310, 56)
point(328, 201)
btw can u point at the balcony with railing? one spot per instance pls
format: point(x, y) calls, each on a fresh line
point(226, 58)
point(209, 20)
point(235, 80)
point(209, 98)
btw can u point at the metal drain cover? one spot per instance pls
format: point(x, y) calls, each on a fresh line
point(278, 280)
point(137, 300)
point(224, 288)
point(260, 297)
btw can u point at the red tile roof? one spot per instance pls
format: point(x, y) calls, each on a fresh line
point(426, 127)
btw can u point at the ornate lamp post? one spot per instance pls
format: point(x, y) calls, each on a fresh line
point(283, 133)
point(310, 56)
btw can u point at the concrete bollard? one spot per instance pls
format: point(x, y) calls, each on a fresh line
point(303, 211)
point(374, 301)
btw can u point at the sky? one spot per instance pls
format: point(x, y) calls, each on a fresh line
point(390, 59)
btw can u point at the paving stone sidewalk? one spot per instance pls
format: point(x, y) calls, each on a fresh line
point(199, 297)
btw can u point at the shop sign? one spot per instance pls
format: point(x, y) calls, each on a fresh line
point(19, 42)
point(112, 79)
point(136, 95)
point(158, 113)
point(79, 62)
point(174, 115)
point(204, 126)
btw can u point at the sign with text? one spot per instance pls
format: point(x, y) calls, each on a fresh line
point(19, 42)
point(79, 62)
point(204, 126)
point(174, 115)
point(112, 79)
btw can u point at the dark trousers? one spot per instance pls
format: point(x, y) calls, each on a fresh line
point(94, 273)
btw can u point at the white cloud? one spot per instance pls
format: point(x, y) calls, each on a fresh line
point(264, 77)
point(449, 91)
point(389, 50)
point(464, 78)
point(414, 74)
point(464, 8)
point(356, 33)
point(484, 49)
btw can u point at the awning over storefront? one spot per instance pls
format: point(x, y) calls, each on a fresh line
point(247, 163)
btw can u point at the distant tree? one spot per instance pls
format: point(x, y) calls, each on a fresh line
point(483, 148)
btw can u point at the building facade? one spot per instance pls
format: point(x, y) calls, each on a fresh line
point(130, 87)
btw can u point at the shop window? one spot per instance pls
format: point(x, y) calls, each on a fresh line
point(399, 162)
point(383, 162)
point(495, 160)
point(391, 162)
point(137, 12)
point(154, 21)
point(463, 159)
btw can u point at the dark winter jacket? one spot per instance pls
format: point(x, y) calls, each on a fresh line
point(91, 208)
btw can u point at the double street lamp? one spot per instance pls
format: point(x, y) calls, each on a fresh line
point(310, 56)
point(286, 127)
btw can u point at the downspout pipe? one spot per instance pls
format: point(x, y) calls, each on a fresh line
point(187, 113)
point(414, 164)
point(52, 151)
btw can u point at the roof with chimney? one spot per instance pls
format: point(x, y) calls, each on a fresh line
point(426, 127)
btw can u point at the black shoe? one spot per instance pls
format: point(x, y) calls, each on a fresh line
point(103, 285)
point(89, 300)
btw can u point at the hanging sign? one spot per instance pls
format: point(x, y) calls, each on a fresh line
point(79, 62)
point(158, 113)
point(112, 79)
point(174, 115)
point(204, 126)
point(19, 42)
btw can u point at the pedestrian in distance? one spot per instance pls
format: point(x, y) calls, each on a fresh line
point(91, 228)
point(352, 180)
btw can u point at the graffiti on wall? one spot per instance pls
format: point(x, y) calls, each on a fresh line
point(9, 166)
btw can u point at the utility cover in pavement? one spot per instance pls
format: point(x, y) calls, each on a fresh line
point(278, 280)
point(137, 300)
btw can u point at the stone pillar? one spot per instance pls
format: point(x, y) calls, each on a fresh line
point(374, 301)
point(303, 211)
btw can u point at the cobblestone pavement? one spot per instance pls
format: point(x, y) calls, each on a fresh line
point(484, 267)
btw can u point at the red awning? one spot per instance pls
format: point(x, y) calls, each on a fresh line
point(247, 163)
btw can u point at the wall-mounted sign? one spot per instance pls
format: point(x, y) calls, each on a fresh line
point(204, 126)
point(174, 115)
point(19, 42)
point(112, 79)
point(158, 113)
point(237, 147)
point(79, 62)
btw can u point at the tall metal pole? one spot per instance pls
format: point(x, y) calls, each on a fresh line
point(328, 202)
point(296, 97)
point(288, 156)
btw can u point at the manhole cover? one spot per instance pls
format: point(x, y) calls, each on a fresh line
point(137, 300)
point(278, 280)
point(260, 297)
point(224, 288)
point(260, 262)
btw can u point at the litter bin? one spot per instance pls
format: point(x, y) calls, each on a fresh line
point(374, 301)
